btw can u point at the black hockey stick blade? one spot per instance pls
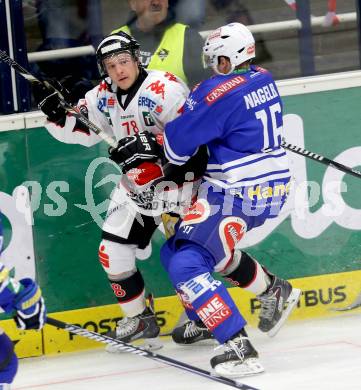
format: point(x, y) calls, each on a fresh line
point(68, 107)
point(321, 159)
point(125, 347)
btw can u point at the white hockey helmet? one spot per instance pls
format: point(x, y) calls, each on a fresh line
point(234, 41)
point(114, 44)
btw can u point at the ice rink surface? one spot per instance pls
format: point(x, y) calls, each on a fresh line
point(322, 354)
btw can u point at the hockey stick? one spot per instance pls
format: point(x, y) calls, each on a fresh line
point(320, 159)
point(68, 107)
point(124, 347)
point(110, 141)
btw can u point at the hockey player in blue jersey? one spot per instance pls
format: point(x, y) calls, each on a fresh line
point(237, 114)
point(23, 299)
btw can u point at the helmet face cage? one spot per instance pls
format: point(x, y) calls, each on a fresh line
point(114, 44)
point(233, 41)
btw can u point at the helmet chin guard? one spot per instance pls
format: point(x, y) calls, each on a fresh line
point(233, 41)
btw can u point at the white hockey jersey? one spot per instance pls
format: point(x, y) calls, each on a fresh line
point(158, 100)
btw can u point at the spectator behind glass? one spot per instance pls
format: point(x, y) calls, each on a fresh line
point(69, 23)
point(235, 11)
point(165, 44)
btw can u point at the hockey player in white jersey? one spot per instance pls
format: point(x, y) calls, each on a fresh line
point(128, 101)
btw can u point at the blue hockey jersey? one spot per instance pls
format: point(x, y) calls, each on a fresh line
point(239, 118)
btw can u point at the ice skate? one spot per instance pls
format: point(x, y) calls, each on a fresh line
point(238, 359)
point(192, 332)
point(143, 326)
point(277, 303)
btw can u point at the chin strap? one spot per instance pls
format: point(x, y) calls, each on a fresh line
point(233, 70)
point(215, 70)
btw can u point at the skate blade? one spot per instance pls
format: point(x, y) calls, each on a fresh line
point(200, 343)
point(151, 344)
point(236, 369)
point(291, 303)
point(203, 343)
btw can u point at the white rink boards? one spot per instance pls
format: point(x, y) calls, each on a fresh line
point(323, 354)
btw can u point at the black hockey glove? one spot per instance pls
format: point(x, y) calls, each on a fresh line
point(134, 150)
point(48, 102)
point(195, 167)
point(53, 109)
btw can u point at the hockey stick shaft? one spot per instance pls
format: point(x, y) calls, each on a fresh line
point(124, 347)
point(110, 141)
point(68, 107)
point(321, 159)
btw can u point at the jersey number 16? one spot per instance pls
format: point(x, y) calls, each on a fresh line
point(271, 134)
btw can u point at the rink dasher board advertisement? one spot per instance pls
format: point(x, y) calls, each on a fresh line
point(54, 234)
point(326, 295)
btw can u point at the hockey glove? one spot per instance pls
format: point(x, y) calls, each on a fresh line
point(53, 109)
point(29, 306)
point(48, 101)
point(134, 150)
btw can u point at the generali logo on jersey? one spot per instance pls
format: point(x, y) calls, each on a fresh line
point(224, 88)
point(214, 312)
